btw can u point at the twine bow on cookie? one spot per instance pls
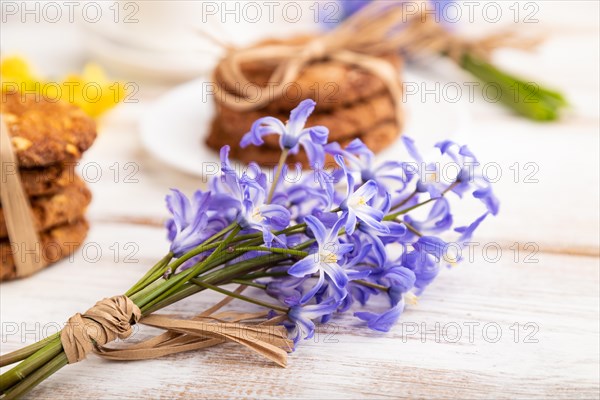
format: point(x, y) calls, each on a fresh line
point(380, 28)
point(114, 317)
point(22, 234)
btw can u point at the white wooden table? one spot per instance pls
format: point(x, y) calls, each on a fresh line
point(514, 328)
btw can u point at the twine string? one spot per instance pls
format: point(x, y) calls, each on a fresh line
point(106, 321)
point(114, 317)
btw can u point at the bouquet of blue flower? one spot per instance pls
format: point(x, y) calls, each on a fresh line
point(426, 26)
point(327, 241)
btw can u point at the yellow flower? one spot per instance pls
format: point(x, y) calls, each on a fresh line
point(16, 74)
point(91, 90)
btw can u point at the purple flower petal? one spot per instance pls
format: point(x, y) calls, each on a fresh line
point(317, 228)
point(467, 231)
point(317, 134)
point(367, 190)
point(336, 274)
point(307, 266)
point(314, 152)
point(312, 292)
point(381, 322)
point(299, 115)
point(261, 127)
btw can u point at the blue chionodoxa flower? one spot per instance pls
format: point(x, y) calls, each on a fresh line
point(396, 277)
point(470, 177)
point(293, 134)
point(360, 162)
point(437, 221)
point(246, 196)
point(424, 260)
point(377, 238)
point(301, 325)
point(327, 261)
point(355, 256)
point(382, 322)
point(191, 222)
point(355, 207)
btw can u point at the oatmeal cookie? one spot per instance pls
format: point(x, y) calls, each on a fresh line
point(47, 181)
point(56, 243)
point(343, 122)
point(66, 206)
point(44, 131)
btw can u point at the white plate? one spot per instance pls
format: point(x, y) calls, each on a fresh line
point(174, 127)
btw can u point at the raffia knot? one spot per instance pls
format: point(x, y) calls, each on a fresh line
point(106, 321)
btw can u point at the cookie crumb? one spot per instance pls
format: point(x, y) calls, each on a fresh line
point(20, 143)
point(72, 149)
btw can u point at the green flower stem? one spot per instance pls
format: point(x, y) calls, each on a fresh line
point(221, 233)
point(280, 165)
point(549, 95)
point(275, 250)
point(258, 275)
point(412, 229)
point(183, 292)
point(198, 250)
point(371, 285)
point(244, 267)
point(233, 271)
point(147, 291)
point(393, 216)
point(452, 186)
point(261, 262)
point(30, 364)
point(219, 276)
point(298, 228)
point(37, 377)
point(151, 275)
point(511, 90)
point(305, 245)
point(406, 200)
point(165, 285)
point(249, 283)
point(253, 238)
point(527, 99)
point(25, 352)
point(239, 296)
point(171, 285)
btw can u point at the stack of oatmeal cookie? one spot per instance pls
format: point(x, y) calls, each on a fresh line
point(48, 139)
point(351, 102)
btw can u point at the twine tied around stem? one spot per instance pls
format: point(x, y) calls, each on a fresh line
point(113, 318)
point(106, 321)
point(380, 28)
